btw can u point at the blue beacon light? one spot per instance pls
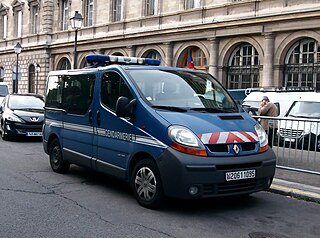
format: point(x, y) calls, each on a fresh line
point(112, 59)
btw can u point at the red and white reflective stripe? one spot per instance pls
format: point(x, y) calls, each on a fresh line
point(228, 137)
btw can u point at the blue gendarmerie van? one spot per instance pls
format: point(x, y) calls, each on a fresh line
point(169, 132)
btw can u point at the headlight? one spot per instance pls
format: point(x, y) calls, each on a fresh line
point(263, 138)
point(13, 118)
point(184, 140)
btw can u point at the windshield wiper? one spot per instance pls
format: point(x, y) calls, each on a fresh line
point(170, 108)
point(200, 109)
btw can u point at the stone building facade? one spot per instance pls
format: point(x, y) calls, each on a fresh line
point(243, 43)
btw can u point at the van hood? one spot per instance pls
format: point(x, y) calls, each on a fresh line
point(201, 123)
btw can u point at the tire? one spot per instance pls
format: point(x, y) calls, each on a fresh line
point(57, 163)
point(318, 143)
point(146, 184)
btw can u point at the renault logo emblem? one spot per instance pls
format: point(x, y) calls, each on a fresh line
point(236, 148)
point(34, 119)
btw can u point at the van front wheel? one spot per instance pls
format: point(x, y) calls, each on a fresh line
point(146, 184)
point(57, 163)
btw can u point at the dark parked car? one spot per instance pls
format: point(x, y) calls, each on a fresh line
point(21, 115)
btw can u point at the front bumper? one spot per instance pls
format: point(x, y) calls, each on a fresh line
point(179, 172)
point(305, 141)
point(14, 129)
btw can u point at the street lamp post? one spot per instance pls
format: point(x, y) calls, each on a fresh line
point(76, 23)
point(17, 49)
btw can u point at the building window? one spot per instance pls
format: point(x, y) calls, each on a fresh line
point(151, 7)
point(34, 11)
point(64, 15)
point(17, 8)
point(3, 21)
point(302, 65)
point(31, 79)
point(64, 64)
point(243, 68)
point(18, 21)
point(3, 26)
point(193, 56)
point(189, 4)
point(117, 10)
point(1, 73)
point(153, 54)
point(88, 15)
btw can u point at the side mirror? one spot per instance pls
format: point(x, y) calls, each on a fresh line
point(125, 107)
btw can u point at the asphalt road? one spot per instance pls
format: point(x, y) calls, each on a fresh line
point(36, 202)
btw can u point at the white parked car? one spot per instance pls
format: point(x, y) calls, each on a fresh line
point(302, 127)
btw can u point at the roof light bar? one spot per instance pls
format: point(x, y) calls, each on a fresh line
point(112, 59)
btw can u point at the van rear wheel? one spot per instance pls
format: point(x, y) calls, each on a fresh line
point(57, 163)
point(146, 184)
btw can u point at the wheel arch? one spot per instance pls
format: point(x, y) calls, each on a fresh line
point(135, 159)
point(51, 138)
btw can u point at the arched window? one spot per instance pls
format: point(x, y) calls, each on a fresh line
point(117, 54)
point(1, 74)
point(153, 54)
point(196, 55)
point(31, 79)
point(64, 64)
point(243, 68)
point(302, 65)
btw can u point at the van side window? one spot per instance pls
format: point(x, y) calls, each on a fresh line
point(77, 93)
point(112, 87)
point(72, 93)
point(54, 92)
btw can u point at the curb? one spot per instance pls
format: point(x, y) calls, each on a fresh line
point(296, 190)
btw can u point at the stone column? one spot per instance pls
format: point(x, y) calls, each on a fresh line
point(268, 75)
point(169, 54)
point(214, 56)
point(132, 50)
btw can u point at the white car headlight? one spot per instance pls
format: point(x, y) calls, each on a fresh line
point(184, 140)
point(13, 118)
point(262, 135)
point(184, 136)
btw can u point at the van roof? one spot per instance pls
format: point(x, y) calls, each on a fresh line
point(312, 97)
point(280, 89)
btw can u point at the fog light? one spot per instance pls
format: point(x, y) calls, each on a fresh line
point(193, 190)
point(8, 127)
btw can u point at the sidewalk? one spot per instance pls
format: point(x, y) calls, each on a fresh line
point(297, 184)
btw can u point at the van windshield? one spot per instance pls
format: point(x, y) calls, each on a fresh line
point(182, 90)
point(305, 110)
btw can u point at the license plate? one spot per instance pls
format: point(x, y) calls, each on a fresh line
point(34, 133)
point(238, 175)
point(289, 140)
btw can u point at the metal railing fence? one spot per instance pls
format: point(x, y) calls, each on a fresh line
point(296, 142)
